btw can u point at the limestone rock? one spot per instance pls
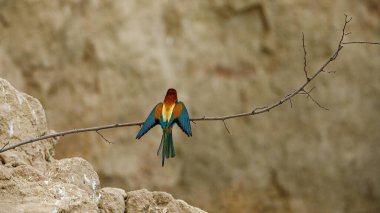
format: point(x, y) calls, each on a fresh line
point(112, 200)
point(30, 178)
point(145, 201)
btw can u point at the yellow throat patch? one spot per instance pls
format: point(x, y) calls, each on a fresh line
point(167, 112)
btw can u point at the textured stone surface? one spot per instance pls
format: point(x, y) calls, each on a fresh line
point(112, 200)
point(31, 180)
point(97, 62)
point(145, 201)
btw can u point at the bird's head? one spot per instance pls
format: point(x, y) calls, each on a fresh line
point(171, 96)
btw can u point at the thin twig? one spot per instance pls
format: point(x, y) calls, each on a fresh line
point(225, 125)
point(361, 42)
point(316, 102)
point(329, 72)
point(255, 111)
point(308, 95)
point(104, 138)
point(6, 144)
point(304, 57)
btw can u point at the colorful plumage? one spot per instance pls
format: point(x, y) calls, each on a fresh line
point(166, 114)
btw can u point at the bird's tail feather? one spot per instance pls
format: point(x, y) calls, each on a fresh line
point(167, 146)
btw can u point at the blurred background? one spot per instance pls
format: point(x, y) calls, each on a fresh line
point(93, 62)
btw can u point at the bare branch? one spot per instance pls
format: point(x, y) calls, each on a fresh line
point(304, 92)
point(258, 110)
point(69, 132)
point(295, 92)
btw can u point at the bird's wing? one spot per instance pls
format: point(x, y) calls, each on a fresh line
point(151, 121)
point(181, 117)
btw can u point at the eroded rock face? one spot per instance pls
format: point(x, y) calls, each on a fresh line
point(31, 180)
point(145, 201)
point(112, 200)
point(22, 117)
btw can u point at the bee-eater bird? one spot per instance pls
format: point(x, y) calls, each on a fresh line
point(166, 114)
